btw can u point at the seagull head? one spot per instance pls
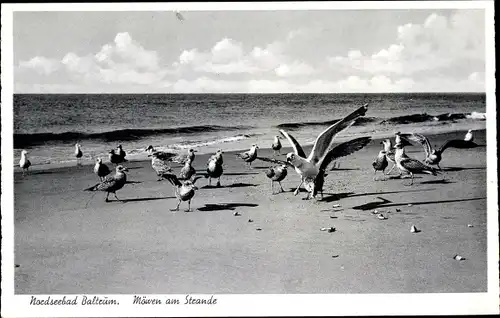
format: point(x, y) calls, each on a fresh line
point(219, 151)
point(99, 160)
point(192, 150)
point(112, 151)
point(283, 166)
point(398, 146)
point(24, 152)
point(290, 157)
point(121, 168)
point(470, 130)
point(150, 147)
point(120, 147)
point(255, 146)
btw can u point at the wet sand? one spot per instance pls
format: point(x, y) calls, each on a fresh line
point(67, 241)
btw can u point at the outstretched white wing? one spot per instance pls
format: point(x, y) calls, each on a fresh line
point(324, 140)
point(421, 139)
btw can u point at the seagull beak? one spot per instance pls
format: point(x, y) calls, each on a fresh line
point(149, 155)
point(125, 169)
point(195, 187)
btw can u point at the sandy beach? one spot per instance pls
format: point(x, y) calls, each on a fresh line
point(67, 241)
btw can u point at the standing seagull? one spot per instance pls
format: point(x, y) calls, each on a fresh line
point(217, 157)
point(308, 168)
point(78, 153)
point(214, 169)
point(411, 166)
point(111, 184)
point(159, 163)
point(434, 156)
point(380, 163)
point(469, 136)
point(181, 158)
point(101, 169)
point(389, 154)
point(121, 152)
point(115, 158)
point(250, 155)
point(276, 145)
point(24, 163)
point(184, 191)
point(187, 171)
point(400, 138)
point(277, 174)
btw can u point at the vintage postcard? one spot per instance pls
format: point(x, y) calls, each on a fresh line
point(249, 159)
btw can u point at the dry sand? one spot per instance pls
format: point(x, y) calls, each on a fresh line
point(140, 246)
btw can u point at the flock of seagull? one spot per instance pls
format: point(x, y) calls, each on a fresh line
point(312, 168)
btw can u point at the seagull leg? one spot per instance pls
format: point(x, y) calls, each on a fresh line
point(298, 188)
point(189, 207)
point(439, 167)
point(107, 194)
point(272, 187)
point(209, 181)
point(218, 182)
point(374, 176)
point(391, 169)
point(117, 197)
point(281, 187)
point(177, 208)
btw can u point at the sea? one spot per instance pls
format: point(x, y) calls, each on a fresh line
point(49, 125)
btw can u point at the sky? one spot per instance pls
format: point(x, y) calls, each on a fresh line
point(323, 51)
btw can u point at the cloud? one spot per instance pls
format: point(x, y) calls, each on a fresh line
point(438, 43)
point(229, 57)
point(122, 62)
point(41, 65)
point(294, 69)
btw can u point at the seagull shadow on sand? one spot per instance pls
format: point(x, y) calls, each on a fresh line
point(225, 206)
point(453, 169)
point(386, 203)
point(443, 181)
point(337, 196)
point(234, 185)
point(141, 199)
point(240, 173)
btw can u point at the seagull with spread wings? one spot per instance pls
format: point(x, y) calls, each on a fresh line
point(184, 191)
point(310, 167)
point(433, 156)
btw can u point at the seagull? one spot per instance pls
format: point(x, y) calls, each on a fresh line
point(181, 158)
point(24, 163)
point(78, 153)
point(187, 171)
point(342, 150)
point(101, 169)
point(380, 163)
point(160, 165)
point(276, 144)
point(434, 156)
point(469, 136)
point(277, 174)
point(121, 152)
point(214, 169)
point(184, 191)
point(308, 168)
point(111, 184)
point(115, 158)
point(389, 154)
point(160, 154)
point(410, 165)
point(250, 155)
point(217, 157)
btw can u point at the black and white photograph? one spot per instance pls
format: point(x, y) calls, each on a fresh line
point(205, 156)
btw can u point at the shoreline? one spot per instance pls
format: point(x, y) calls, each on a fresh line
point(285, 143)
